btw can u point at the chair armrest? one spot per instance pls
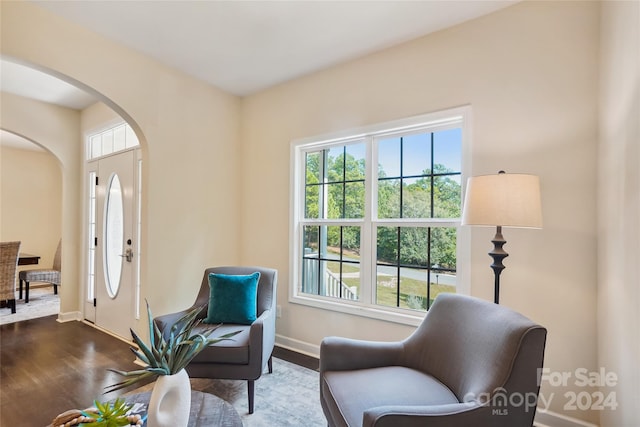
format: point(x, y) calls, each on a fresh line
point(262, 320)
point(267, 320)
point(256, 330)
point(262, 336)
point(469, 414)
point(341, 354)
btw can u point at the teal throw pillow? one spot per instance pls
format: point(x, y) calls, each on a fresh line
point(232, 298)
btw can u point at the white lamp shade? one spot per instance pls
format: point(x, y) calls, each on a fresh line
point(508, 200)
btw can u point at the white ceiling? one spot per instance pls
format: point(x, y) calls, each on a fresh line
point(30, 83)
point(243, 46)
point(246, 46)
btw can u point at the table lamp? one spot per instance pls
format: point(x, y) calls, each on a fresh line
point(502, 200)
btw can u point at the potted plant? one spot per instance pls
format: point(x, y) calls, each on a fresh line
point(111, 415)
point(165, 360)
point(106, 414)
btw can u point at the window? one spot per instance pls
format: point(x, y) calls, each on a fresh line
point(112, 140)
point(375, 216)
point(113, 235)
point(91, 248)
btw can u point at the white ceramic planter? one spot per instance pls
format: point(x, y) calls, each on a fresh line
point(170, 401)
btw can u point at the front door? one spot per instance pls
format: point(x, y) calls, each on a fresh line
point(115, 243)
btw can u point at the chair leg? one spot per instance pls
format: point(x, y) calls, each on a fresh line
point(12, 303)
point(55, 289)
point(20, 293)
point(270, 364)
point(251, 390)
point(26, 292)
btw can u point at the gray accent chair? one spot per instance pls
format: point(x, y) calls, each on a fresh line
point(9, 254)
point(470, 363)
point(47, 275)
point(244, 356)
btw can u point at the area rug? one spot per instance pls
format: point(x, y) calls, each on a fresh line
point(42, 302)
point(288, 397)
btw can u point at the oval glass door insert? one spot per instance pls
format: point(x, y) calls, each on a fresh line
point(113, 235)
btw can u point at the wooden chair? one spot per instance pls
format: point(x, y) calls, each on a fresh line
point(47, 275)
point(8, 264)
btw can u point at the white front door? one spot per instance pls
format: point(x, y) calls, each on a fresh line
point(115, 243)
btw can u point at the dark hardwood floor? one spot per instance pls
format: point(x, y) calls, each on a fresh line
point(308, 362)
point(48, 367)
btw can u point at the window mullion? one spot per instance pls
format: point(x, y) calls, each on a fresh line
point(367, 231)
point(432, 179)
point(401, 179)
point(398, 262)
point(428, 267)
point(323, 195)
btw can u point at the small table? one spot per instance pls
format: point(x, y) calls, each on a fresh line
point(206, 409)
point(28, 259)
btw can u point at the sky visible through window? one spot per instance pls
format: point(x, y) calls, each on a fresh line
point(417, 152)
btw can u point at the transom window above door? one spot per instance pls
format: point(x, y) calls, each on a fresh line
point(111, 140)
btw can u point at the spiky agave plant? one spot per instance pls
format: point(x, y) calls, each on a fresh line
point(168, 356)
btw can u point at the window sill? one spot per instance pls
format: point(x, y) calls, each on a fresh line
point(400, 316)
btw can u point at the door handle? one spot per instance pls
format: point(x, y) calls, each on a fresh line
point(128, 255)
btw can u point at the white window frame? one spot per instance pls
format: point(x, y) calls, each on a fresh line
point(455, 117)
point(104, 138)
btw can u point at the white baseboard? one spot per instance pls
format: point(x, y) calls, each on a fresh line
point(553, 419)
point(69, 316)
point(106, 331)
point(298, 346)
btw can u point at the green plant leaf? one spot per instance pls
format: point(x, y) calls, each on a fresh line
point(168, 356)
point(128, 373)
point(150, 320)
point(149, 357)
point(139, 356)
point(108, 414)
point(134, 377)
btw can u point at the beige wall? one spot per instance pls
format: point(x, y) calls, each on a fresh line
point(216, 168)
point(619, 209)
point(530, 74)
point(188, 132)
point(56, 129)
point(96, 118)
point(31, 201)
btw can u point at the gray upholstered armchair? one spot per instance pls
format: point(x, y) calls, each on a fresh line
point(244, 356)
point(470, 363)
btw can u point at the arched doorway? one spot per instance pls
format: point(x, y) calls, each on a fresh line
point(63, 131)
point(30, 212)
